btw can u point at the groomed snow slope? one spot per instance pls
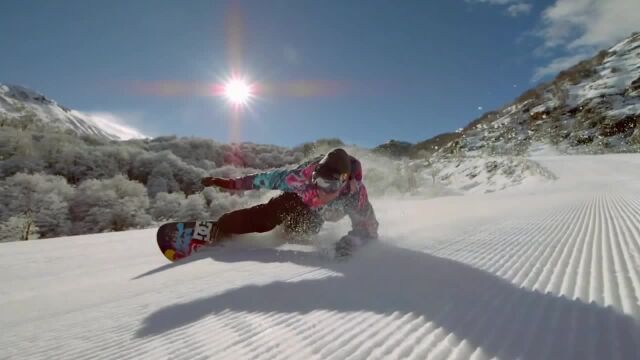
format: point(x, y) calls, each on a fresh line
point(547, 271)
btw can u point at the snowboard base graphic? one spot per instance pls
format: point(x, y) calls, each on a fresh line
point(177, 240)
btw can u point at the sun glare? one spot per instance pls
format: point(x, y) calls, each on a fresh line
point(238, 92)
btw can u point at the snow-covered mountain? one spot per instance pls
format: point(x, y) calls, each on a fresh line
point(21, 103)
point(592, 107)
point(547, 271)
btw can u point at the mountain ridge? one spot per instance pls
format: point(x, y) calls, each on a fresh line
point(591, 107)
point(19, 102)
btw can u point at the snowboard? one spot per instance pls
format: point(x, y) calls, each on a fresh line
point(178, 240)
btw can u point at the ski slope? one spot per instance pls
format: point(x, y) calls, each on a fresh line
point(540, 271)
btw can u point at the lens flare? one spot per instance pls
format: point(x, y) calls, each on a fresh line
point(238, 92)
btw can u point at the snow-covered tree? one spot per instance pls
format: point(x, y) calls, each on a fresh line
point(19, 227)
point(220, 203)
point(53, 218)
point(193, 151)
point(75, 164)
point(193, 208)
point(45, 197)
point(162, 180)
point(434, 172)
point(109, 205)
point(21, 164)
point(166, 206)
point(229, 171)
point(157, 185)
point(124, 156)
point(51, 145)
point(165, 163)
point(412, 180)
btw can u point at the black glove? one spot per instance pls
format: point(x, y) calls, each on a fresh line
point(350, 242)
point(219, 182)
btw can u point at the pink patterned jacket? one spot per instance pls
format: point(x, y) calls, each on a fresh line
point(352, 200)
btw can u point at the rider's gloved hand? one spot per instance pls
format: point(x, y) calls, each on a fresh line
point(350, 242)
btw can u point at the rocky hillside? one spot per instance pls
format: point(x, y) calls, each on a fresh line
point(23, 105)
point(422, 149)
point(592, 107)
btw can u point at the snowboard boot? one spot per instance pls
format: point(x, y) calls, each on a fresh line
point(216, 235)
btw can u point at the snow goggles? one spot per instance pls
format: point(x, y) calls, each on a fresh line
point(329, 185)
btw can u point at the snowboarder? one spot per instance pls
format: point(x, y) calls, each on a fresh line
point(328, 188)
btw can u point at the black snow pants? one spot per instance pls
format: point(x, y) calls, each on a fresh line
point(287, 209)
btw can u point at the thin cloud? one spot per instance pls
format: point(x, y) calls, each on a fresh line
point(589, 23)
point(115, 124)
point(519, 9)
point(514, 7)
point(558, 65)
point(577, 28)
point(492, 2)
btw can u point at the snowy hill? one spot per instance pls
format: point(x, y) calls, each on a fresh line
point(21, 103)
point(592, 107)
point(541, 271)
point(441, 176)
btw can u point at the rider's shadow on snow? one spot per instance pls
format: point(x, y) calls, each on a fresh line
point(246, 248)
point(474, 305)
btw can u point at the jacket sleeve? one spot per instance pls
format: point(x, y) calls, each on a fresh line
point(360, 211)
point(358, 207)
point(296, 180)
point(278, 179)
point(269, 180)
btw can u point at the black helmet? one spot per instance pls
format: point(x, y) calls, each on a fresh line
point(333, 169)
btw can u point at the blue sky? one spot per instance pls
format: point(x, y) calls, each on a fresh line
point(405, 70)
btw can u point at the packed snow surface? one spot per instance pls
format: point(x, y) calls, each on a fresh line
point(539, 271)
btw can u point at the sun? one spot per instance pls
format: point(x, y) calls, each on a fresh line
point(238, 92)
